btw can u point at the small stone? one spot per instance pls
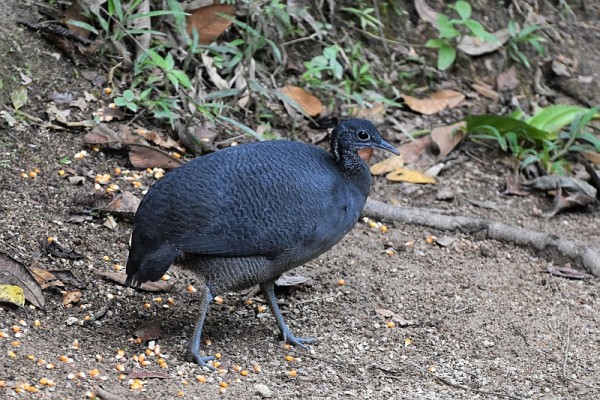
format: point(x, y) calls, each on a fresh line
point(444, 195)
point(488, 343)
point(263, 391)
point(72, 321)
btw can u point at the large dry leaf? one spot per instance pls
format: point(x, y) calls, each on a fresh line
point(147, 331)
point(143, 157)
point(375, 114)
point(13, 272)
point(439, 101)
point(208, 63)
point(446, 138)
point(387, 165)
point(104, 135)
point(125, 203)
point(208, 24)
point(409, 175)
point(160, 140)
point(309, 103)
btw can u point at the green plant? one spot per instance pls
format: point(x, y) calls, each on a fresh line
point(518, 38)
point(547, 138)
point(451, 30)
point(365, 16)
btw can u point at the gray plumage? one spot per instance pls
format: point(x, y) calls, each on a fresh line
point(244, 215)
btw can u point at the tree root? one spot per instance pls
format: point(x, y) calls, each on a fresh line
point(550, 246)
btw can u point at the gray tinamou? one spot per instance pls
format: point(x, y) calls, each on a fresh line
point(245, 215)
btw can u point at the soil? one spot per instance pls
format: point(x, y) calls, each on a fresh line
point(475, 319)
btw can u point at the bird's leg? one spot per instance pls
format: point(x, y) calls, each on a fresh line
point(193, 349)
point(268, 290)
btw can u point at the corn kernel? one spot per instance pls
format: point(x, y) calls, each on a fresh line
point(3, 335)
point(407, 341)
point(157, 300)
point(293, 373)
point(136, 384)
point(37, 323)
point(341, 282)
point(32, 174)
point(289, 358)
point(94, 373)
point(61, 172)
point(43, 381)
point(107, 90)
point(176, 154)
point(50, 365)
point(262, 308)
point(430, 239)
point(180, 394)
point(218, 356)
point(30, 357)
point(137, 184)
point(120, 367)
point(171, 301)
point(256, 368)
point(16, 343)
point(244, 372)
point(224, 384)
point(16, 329)
point(390, 324)
point(191, 289)
point(201, 378)
point(219, 300)
point(12, 354)
point(147, 306)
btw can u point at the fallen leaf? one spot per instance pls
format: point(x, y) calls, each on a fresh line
point(446, 138)
point(119, 278)
point(388, 314)
point(143, 156)
point(14, 273)
point(409, 176)
point(147, 331)
point(57, 250)
point(438, 101)
point(288, 279)
point(375, 114)
point(158, 139)
point(68, 277)
point(74, 12)
point(427, 13)
point(591, 156)
point(18, 97)
point(45, 278)
point(208, 23)
point(474, 46)
point(444, 241)
point(71, 297)
point(12, 294)
point(311, 105)
point(110, 223)
point(486, 91)
point(387, 165)
point(507, 80)
point(570, 200)
point(124, 203)
point(553, 182)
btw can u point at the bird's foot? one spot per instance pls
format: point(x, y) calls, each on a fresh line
point(202, 361)
point(298, 342)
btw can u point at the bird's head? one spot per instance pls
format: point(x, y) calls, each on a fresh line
point(353, 135)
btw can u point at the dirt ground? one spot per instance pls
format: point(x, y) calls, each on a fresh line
point(475, 319)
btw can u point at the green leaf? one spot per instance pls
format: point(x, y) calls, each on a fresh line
point(240, 126)
point(128, 95)
point(463, 9)
point(436, 43)
point(446, 56)
point(476, 28)
point(554, 118)
point(505, 124)
point(169, 62)
point(83, 25)
point(512, 28)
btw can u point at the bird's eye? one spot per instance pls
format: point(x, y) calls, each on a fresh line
point(363, 135)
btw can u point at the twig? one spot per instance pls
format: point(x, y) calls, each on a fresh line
point(546, 243)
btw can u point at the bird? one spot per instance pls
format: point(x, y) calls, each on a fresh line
point(244, 215)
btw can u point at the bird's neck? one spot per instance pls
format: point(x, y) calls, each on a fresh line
point(353, 167)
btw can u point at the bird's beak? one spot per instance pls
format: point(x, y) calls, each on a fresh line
point(386, 146)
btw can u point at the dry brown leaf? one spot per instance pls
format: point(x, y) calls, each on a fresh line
point(446, 138)
point(73, 12)
point(387, 165)
point(435, 103)
point(591, 156)
point(409, 176)
point(309, 103)
point(143, 157)
point(12, 272)
point(507, 80)
point(126, 202)
point(375, 114)
point(71, 297)
point(208, 24)
point(413, 151)
point(159, 140)
point(147, 331)
point(486, 91)
point(45, 278)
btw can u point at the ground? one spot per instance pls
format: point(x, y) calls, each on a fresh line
point(475, 319)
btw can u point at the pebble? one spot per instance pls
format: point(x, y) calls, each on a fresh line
point(71, 321)
point(263, 391)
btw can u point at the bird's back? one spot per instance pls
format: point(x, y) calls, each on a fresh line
point(268, 199)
